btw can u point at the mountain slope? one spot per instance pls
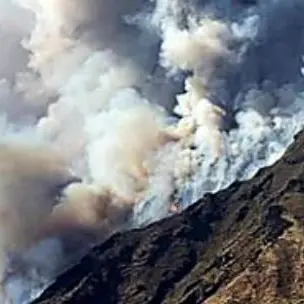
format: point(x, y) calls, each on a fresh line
point(241, 245)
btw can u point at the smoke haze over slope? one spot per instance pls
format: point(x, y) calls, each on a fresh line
point(136, 104)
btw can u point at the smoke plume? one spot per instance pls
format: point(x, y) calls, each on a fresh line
point(115, 112)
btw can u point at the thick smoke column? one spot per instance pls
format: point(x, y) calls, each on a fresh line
point(30, 179)
point(198, 50)
point(88, 146)
point(42, 198)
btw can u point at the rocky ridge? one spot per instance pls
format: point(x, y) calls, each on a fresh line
point(243, 245)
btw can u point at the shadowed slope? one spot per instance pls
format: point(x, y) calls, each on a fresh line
point(242, 245)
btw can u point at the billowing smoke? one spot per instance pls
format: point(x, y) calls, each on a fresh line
point(116, 113)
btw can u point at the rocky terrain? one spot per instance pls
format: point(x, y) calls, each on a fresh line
point(243, 245)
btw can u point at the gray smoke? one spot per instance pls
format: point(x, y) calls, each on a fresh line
point(113, 110)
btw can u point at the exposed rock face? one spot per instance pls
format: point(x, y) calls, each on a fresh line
point(242, 245)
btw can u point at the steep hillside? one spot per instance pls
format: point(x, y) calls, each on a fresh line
point(242, 245)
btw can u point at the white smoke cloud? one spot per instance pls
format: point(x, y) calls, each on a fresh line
point(15, 24)
point(81, 94)
point(108, 142)
point(195, 48)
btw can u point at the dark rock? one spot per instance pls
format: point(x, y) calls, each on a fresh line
point(242, 245)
